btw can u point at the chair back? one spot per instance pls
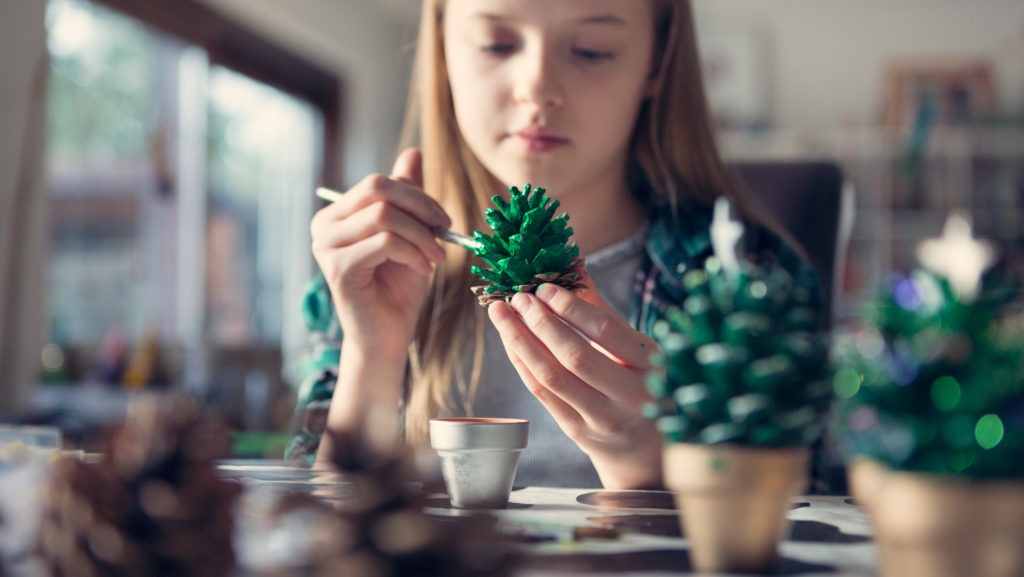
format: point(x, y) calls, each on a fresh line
point(812, 201)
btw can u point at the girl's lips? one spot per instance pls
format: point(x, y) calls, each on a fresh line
point(534, 142)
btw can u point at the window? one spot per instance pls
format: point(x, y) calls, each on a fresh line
point(181, 171)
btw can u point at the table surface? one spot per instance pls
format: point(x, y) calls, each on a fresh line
point(638, 531)
point(829, 535)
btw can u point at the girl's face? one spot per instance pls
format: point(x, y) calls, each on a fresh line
point(548, 92)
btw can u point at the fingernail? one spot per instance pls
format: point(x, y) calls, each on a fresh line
point(546, 292)
point(522, 302)
point(499, 312)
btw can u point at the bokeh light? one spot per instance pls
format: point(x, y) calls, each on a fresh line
point(907, 295)
point(903, 367)
point(945, 393)
point(870, 343)
point(989, 431)
point(846, 383)
point(758, 289)
point(863, 419)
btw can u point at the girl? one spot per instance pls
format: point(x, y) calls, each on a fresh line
point(599, 101)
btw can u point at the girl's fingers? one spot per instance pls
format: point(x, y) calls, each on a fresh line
point(377, 218)
point(537, 363)
point(619, 383)
point(379, 188)
point(409, 167)
point(568, 419)
point(368, 254)
point(601, 324)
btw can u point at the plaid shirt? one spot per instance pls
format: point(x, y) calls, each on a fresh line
point(674, 246)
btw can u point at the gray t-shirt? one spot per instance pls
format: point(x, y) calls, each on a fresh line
point(551, 459)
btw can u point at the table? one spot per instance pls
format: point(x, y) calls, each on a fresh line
point(830, 535)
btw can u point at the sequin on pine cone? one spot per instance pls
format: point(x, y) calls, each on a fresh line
point(154, 506)
point(529, 247)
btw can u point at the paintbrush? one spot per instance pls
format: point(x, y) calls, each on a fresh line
point(441, 233)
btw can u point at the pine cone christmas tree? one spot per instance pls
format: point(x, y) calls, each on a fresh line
point(380, 529)
point(153, 506)
point(933, 378)
point(744, 360)
point(528, 247)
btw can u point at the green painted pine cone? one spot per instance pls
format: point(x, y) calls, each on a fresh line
point(744, 361)
point(529, 247)
point(931, 383)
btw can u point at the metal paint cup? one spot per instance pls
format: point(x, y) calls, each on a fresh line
point(479, 457)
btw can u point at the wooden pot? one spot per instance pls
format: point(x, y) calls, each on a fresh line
point(734, 501)
point(941, 526)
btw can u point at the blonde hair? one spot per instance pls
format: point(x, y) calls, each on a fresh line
point(672, 148)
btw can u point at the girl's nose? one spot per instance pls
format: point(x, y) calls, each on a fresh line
point(537, 79)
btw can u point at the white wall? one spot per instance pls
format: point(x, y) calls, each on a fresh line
point(827, 58)
point(360, 43)
point(22, 224)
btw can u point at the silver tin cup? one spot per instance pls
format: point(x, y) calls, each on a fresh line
point(479, 458)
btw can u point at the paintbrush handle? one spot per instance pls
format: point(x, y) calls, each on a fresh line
point(441, 233)
point(455, 238)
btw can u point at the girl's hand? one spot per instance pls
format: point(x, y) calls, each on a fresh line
point(594, 390)
point(376, 250)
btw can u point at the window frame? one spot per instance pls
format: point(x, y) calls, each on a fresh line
point(234, 46)
point(230, 45)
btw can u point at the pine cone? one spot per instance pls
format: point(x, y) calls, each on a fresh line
point(153, 506)
point(933, 383)
point(528, 247)
point(380, 530)
point(745, 361)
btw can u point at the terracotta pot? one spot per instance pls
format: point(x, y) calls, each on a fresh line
point(734, 501)
point(941, 526)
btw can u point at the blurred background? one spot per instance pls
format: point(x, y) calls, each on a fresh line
point(157, 163)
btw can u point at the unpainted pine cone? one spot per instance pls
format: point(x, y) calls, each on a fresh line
point(154, 506)
point(387, 533)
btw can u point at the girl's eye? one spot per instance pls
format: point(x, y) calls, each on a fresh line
point(498, 49)
point(592, 55)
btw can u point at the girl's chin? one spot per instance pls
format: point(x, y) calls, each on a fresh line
point(547, 175)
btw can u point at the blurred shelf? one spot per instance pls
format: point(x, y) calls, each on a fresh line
point(898, 203)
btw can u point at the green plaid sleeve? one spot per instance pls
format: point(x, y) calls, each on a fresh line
point(319, 372)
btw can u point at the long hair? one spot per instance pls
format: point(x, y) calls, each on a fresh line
point(672, 148)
